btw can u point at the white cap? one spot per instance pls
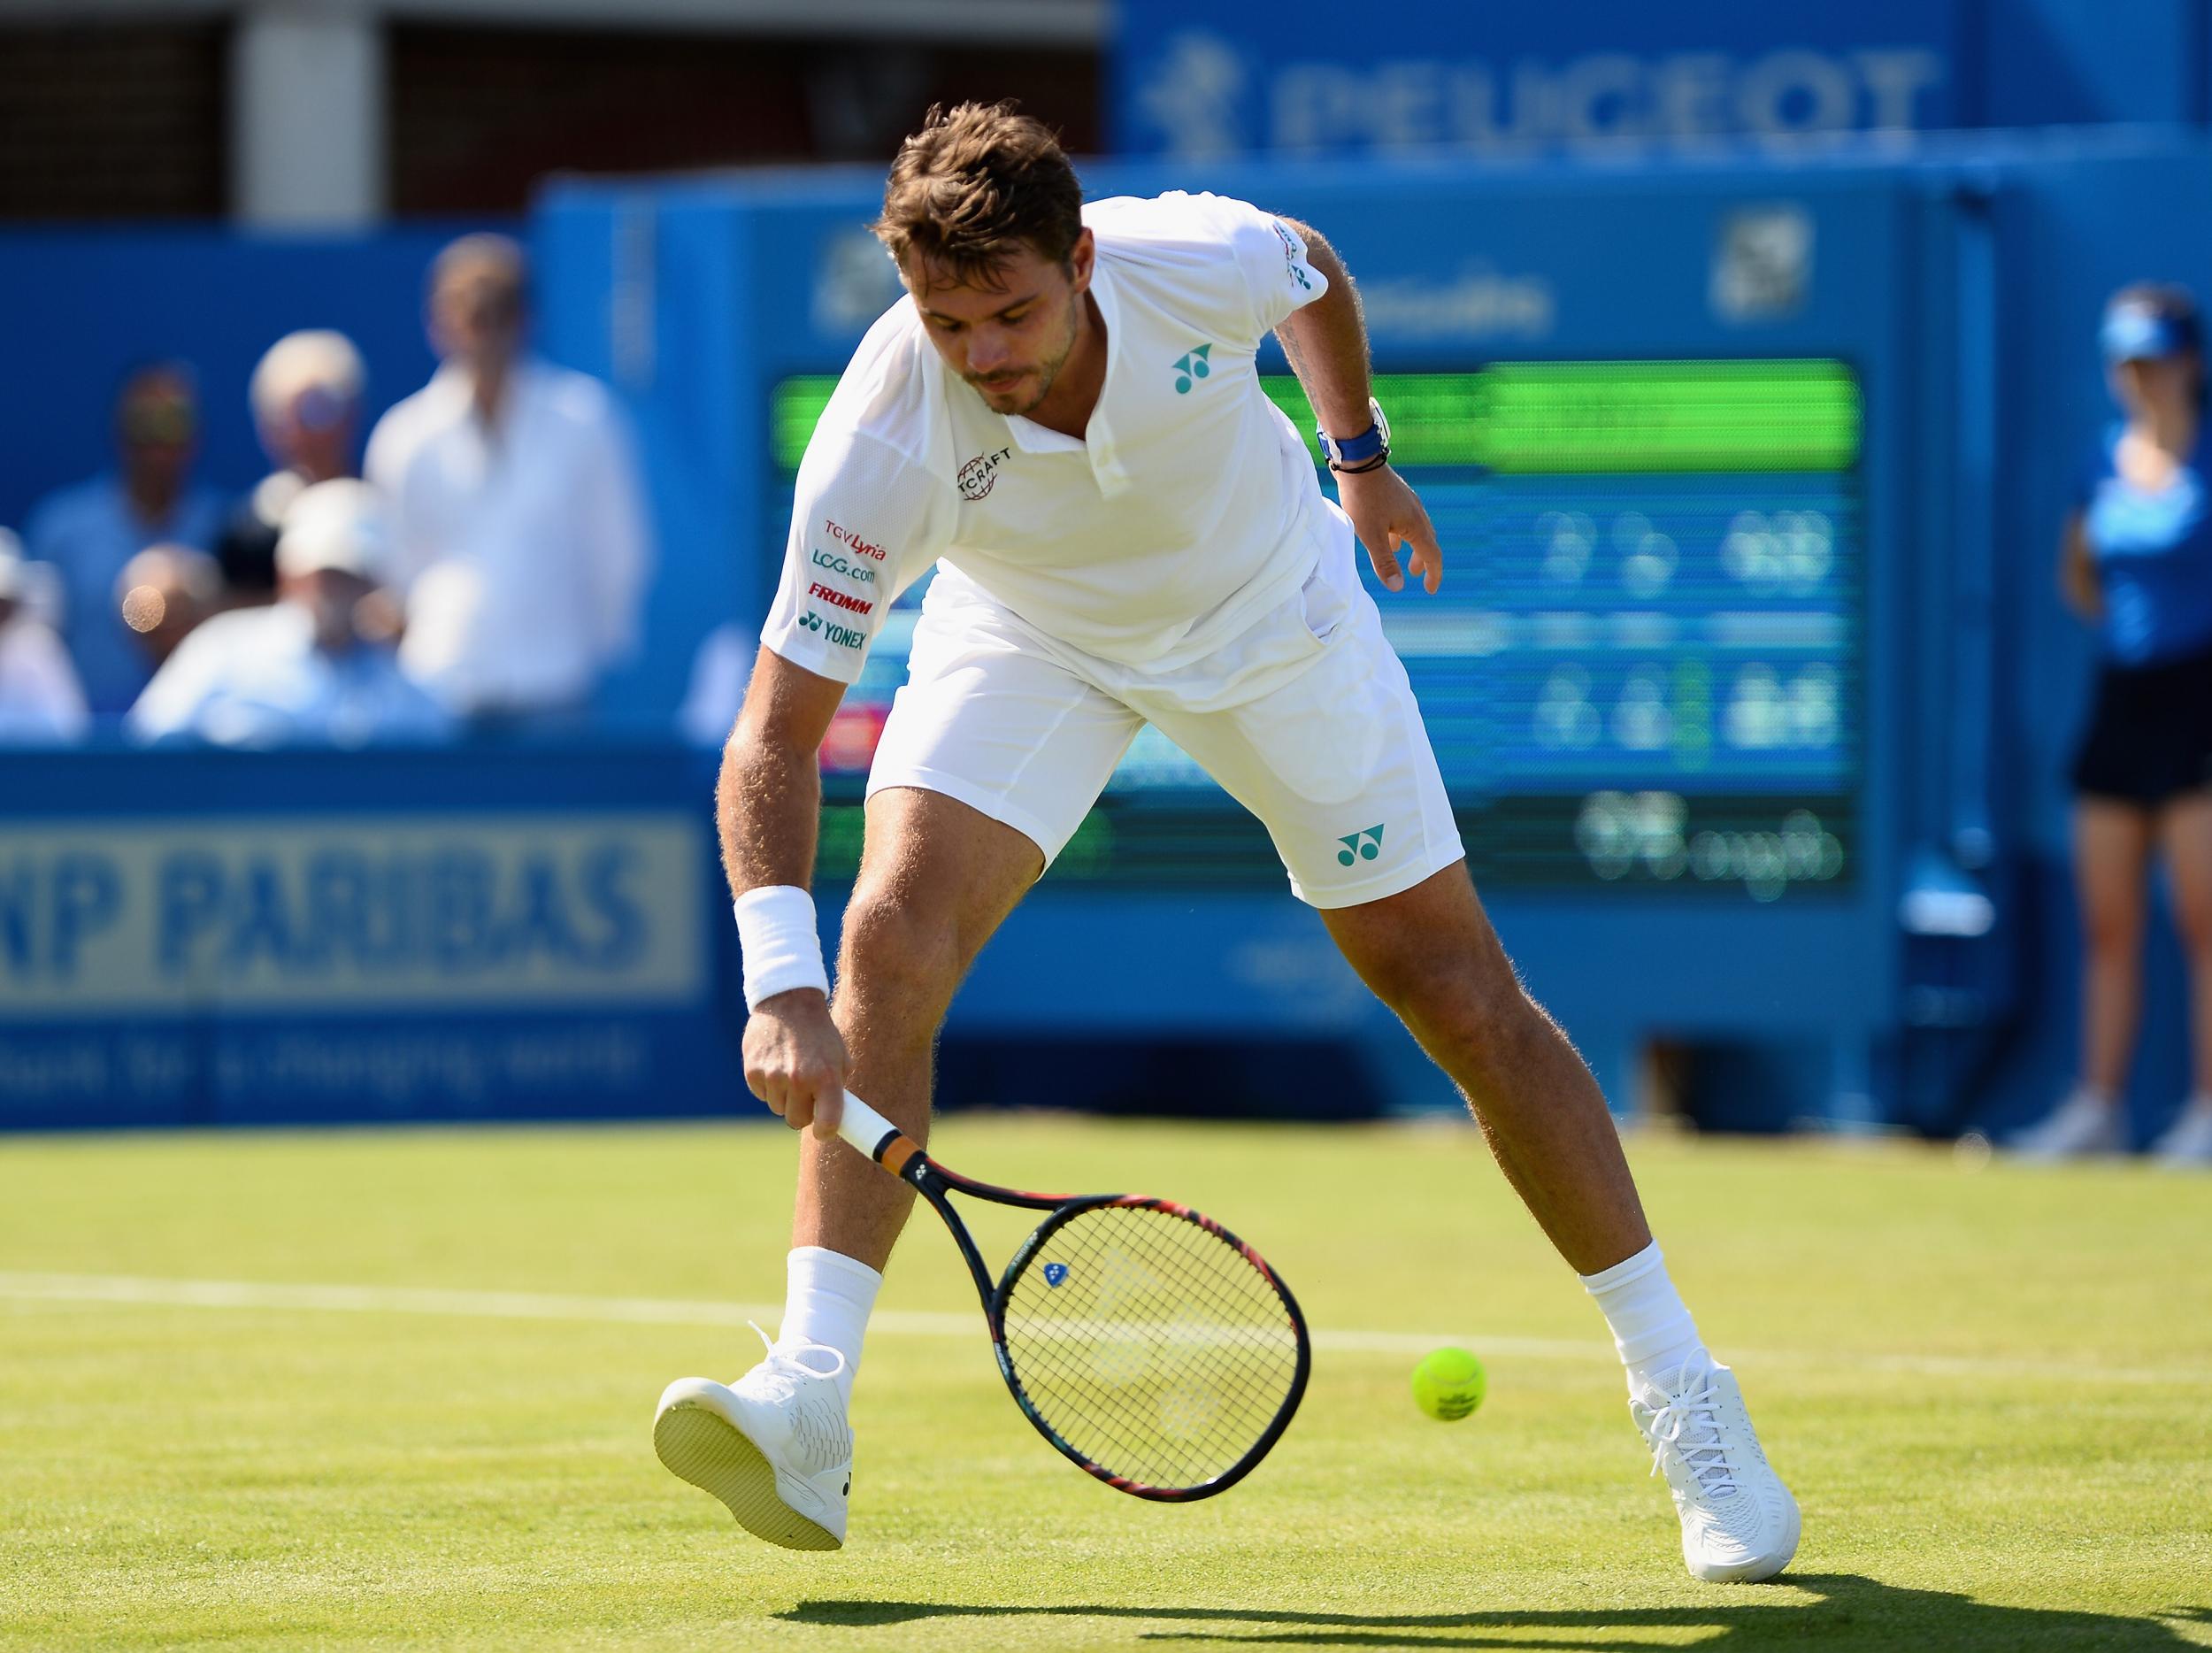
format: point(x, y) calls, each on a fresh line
point(339, 524)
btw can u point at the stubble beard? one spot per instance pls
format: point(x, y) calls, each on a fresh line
point(1048, 370)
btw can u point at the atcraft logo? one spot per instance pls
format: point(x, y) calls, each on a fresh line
point(838, 599)
point(852, 542)
point(1363, 846)
point(979, 475)
point(1191, 365)
point(859, 572)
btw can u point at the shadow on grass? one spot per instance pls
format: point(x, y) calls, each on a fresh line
point(1849, 1612)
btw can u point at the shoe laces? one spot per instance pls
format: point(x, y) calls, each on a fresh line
point(1687, 1424)
point(783, 1370)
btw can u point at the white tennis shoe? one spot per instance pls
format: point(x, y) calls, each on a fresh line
point(2078, 1128)
point(774, 1445)
point(1739, 1522)
point(2187, 1141)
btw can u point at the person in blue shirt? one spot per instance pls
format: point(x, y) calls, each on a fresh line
point(298, 671)
point(90, 530)
point(2137, 564)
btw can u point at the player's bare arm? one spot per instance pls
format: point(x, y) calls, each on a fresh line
point(768, 805)
point(1327, 344)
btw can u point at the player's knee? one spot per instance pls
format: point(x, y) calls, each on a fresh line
point(892, 956)
point(1468, 1008)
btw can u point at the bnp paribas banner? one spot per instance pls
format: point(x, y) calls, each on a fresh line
point(354, 965)
point(1492, 78)
point(447, 912)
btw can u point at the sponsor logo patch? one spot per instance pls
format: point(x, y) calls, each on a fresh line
point(1292, 259)
point(980, 474)
point(853, 541)
point(839, 600)
point(858, 573)
point(844, 636)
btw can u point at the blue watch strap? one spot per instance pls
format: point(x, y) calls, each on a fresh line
point(1356, 450)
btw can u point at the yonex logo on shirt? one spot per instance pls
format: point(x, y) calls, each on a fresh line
point(844, 636)
point(1363, 846)
point(1189, 367)
point(838, 599)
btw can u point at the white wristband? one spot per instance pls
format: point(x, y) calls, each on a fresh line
point(783, 949)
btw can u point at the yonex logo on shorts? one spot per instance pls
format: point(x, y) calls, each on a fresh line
point(1191, 365)
point(1362, 846)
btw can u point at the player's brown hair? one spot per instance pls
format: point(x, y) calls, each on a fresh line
point(976, 182)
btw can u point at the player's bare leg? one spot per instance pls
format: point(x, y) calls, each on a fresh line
point(1430, 953)
point(2113, 843)
point(937, 878)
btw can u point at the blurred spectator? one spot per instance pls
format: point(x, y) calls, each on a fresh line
point(41, 703)
point(299, 671)
point(162, 593)
point(720, 672)
point(90, 530)
point(2137, 564)
point(306, 401)
point(521, 537)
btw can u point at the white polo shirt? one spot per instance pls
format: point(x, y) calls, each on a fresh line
point(1189, 508)
point(523, 551)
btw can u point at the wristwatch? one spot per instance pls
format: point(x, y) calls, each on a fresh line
point(1368, 450)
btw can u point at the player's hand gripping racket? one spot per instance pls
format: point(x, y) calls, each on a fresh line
point(1147, 1343)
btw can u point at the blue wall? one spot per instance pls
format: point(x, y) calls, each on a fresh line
point(85, 304)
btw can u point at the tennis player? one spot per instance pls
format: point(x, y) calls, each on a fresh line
point(1065, 416)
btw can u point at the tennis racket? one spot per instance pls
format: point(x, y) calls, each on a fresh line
point(1148, 1343)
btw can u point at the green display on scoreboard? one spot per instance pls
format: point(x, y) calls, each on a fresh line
point(1558, 417)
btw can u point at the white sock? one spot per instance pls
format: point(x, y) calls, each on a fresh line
point(829, 1298)
point(1652, 1328)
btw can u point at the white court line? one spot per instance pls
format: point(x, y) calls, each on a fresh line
point(146, 1291)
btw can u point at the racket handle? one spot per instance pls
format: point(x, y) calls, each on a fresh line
point(864, 1128)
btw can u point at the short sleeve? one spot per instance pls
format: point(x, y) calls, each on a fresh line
point(1272, 256)
point(866, 522)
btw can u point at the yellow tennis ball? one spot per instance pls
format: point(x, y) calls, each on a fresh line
point(1448, 1384)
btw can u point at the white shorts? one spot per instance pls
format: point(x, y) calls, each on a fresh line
point(1307, 719)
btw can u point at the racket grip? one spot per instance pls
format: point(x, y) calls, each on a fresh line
point(864, 1127)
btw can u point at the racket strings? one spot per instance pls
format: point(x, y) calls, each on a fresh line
point(1151, 1345)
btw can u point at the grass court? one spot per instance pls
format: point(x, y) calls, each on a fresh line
point(394, 1390)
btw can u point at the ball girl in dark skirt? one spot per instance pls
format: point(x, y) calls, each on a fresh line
point(2137, 565)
